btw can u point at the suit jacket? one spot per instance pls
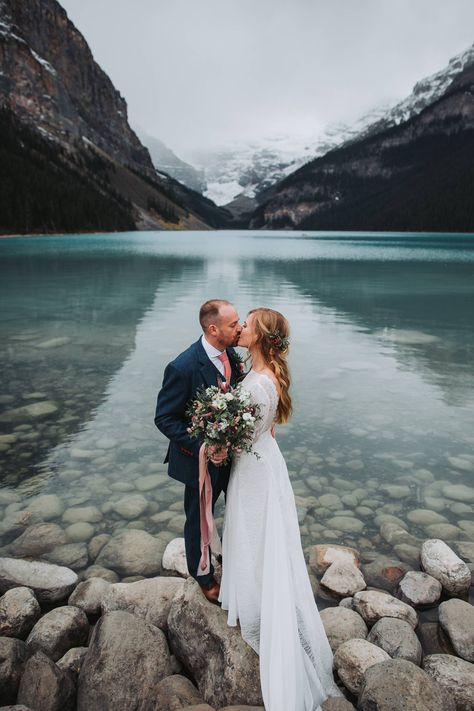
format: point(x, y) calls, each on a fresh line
point(191, 371)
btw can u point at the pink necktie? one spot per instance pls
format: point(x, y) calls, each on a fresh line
point(224, 358)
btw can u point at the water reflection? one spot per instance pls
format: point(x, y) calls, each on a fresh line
point(382, 343)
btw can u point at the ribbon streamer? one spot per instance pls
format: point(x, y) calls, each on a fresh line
point(209, 536)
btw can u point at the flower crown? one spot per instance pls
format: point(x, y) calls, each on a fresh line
point(278, 341)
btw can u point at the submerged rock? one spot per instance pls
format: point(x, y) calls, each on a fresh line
point(456, 617)
point(321, 556)
point(133, 552)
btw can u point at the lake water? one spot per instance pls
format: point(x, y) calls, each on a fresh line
point(382, 355)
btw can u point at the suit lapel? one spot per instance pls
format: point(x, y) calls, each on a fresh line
point(208, 370)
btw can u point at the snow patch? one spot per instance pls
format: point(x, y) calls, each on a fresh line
point(43, 62)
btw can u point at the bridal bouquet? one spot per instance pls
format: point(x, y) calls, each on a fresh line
point(224, 417)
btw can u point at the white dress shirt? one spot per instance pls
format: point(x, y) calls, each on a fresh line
point(213, 355)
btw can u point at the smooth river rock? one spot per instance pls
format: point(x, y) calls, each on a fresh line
point(89, 594)
point(149, 599)
point(49, 582)
point(418, 588)
point(174, 557)
point(440, 561)
point(321, 556)
point(455, 675)
point(13, 656)
point(353, 658)
point(384, 573)
point(58, 631)
point(399, 685)
point(37, 539)
point(133, 552)
point(343, 579)
point(372, 605)
point(46, 687)
point(397, 638)
point(456, 617)
point(19, 612)
point(341, 624)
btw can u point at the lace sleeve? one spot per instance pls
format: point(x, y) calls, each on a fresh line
point(264, 394)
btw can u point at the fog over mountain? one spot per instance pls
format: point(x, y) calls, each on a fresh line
point(198, 74)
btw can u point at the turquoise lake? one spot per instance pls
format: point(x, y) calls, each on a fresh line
point(382, 361)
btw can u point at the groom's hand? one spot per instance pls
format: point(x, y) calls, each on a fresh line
point(216, 454)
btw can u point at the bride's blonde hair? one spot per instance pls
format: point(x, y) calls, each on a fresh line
point(266, 323)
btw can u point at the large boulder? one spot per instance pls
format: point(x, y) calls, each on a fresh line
point(49, 582)
point(13, 657)
point(399, 685)
point(45, 687)
point(227, 670)
point(397, 638)
point(455, 675)
point(342, 624)
point(333, 704)
point(372, 605)
point(19, 611)
point(59, 630)
point(343, 579)
point(126, 660)
point(150, 599)
point(133, 552)
point(353, 658)
point(456, 617)
point(440, 561)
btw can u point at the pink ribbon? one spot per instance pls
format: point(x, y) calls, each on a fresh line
point(209, 535)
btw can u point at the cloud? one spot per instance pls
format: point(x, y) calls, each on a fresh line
point(199, 72)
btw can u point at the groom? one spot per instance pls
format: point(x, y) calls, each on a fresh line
point(211, 358)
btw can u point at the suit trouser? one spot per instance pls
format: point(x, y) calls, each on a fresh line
point(192, 527)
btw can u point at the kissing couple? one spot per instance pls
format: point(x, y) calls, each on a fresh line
point(265, 585)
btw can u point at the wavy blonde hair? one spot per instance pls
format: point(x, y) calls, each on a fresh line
point(265, 322)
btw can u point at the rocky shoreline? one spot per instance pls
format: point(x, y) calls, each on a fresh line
point(403, 638)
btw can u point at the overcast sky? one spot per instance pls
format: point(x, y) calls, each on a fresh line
point(196, 73)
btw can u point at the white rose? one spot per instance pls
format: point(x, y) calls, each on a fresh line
point(248, 417)
point(229, 396)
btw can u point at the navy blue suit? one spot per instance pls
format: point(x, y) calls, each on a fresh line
point(191, 371)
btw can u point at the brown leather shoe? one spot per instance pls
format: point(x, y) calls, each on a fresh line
point(211, 591)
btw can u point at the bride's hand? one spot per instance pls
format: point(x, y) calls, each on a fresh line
point(216, 454)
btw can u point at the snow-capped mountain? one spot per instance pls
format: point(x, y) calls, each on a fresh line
point(246, 169)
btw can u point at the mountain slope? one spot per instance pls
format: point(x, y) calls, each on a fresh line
point(165, 161)
point(68, 129)
point(418, 175)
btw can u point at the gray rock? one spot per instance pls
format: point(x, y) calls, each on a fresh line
point(72, 555)
point(384, 573)
point(397, 638)
point(149, 599)
point(455, 675)
point(13, 657)
point(96, 544)
point(418, 588)
point(47, 506)
point(15, 523)
point(372, 605)
point(79, 532)
point(59, 630)
point(49, 582)
point(440, 561)
point(233, 677)
point(83, 514)
point(89, 594)
point(343, 579)
point(456, 617)
point(35, 411)
point(174, 557)
point(333, 704)
point(98, 571)
point(16, 707)
point(72, 661)
point(176, 692)
point(398, 685)
point(45, 687)
point(38, 539)
point(117, 646)
point(131, 507)
point(133, 553)
point(353, 658)
point(342, 624)
point(394, 534)
point(433, 639)
point(321, 556)
point(19, 611)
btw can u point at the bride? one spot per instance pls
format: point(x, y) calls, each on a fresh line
point(265, 584)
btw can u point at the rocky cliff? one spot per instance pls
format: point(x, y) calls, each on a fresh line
point(73, 129)
point(417, 175)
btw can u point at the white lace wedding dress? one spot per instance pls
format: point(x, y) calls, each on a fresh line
point(265, 584)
